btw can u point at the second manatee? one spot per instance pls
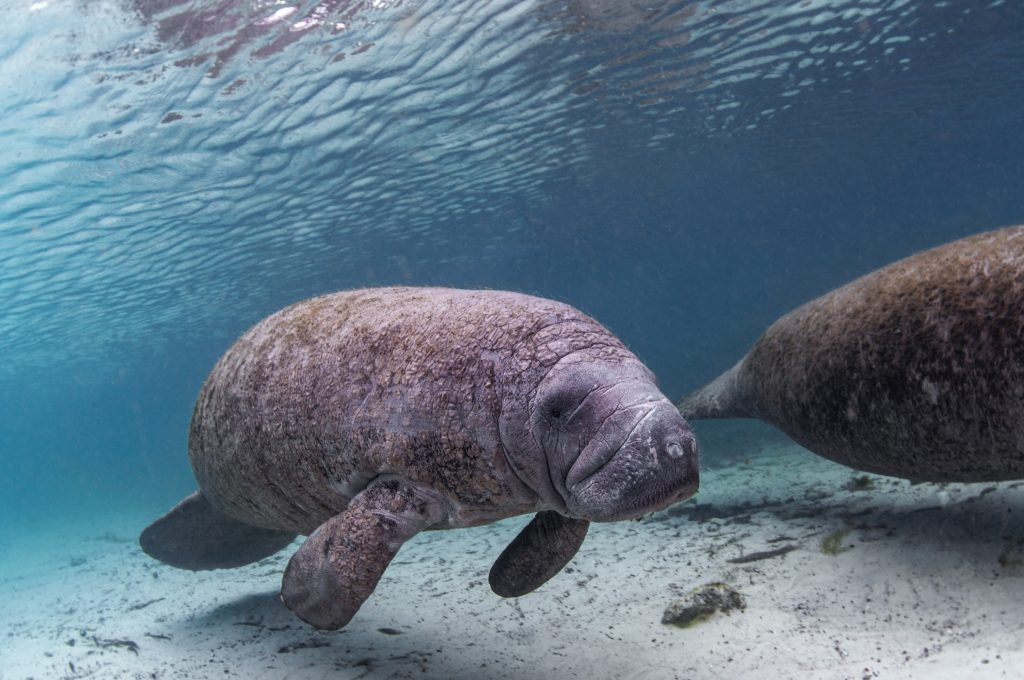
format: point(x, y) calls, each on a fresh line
point(915, 370)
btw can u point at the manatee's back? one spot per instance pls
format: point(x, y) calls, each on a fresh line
point(319, 398)
point(915, 370)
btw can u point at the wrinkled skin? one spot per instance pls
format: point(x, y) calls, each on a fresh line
point(363, 417)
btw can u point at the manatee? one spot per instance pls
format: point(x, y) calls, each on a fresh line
point(363, 417)
point(915, 370)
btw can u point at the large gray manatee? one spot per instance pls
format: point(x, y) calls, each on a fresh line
point(361, 418)
point(915, 370)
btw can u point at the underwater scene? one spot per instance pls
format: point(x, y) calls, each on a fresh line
point(525, 339)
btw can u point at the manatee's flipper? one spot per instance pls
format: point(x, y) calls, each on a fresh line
point(194, 535)
point(340, 563)
point(727, 396)
point(539, 552)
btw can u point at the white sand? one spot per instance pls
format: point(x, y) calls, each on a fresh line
point(920, 593)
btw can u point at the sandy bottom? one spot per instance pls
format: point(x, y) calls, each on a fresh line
point(928, 582)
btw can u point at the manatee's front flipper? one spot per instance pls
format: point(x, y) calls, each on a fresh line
point(194, 535)
point(340, 563)
point(539, 552)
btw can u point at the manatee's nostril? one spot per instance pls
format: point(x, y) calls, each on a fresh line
point(675, 450)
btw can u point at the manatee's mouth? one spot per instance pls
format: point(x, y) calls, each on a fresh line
point(655, 464)
point(659, 500)
point(652, 501)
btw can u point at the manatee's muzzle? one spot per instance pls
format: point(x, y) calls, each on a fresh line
point(608, 441)
point(643, 459)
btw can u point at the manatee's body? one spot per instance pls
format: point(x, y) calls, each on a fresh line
point(915, 370)
point(363, 417)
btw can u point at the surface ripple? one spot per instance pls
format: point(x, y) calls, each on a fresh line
point(175, 170)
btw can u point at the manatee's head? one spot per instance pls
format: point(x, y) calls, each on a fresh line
point(615, 447)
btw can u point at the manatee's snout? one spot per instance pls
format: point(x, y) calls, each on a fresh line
point(644, 458)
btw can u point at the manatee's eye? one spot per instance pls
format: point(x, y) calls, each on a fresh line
point(563, 402)
point(560, 406)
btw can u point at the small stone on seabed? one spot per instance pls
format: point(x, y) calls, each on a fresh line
point(701, 603)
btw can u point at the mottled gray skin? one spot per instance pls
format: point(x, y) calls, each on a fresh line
point(915, 370)
point(363, 417)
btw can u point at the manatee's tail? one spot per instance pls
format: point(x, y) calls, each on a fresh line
point(194, 535)
point(727, 396)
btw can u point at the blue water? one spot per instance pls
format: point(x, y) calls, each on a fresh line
point(685, 172)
